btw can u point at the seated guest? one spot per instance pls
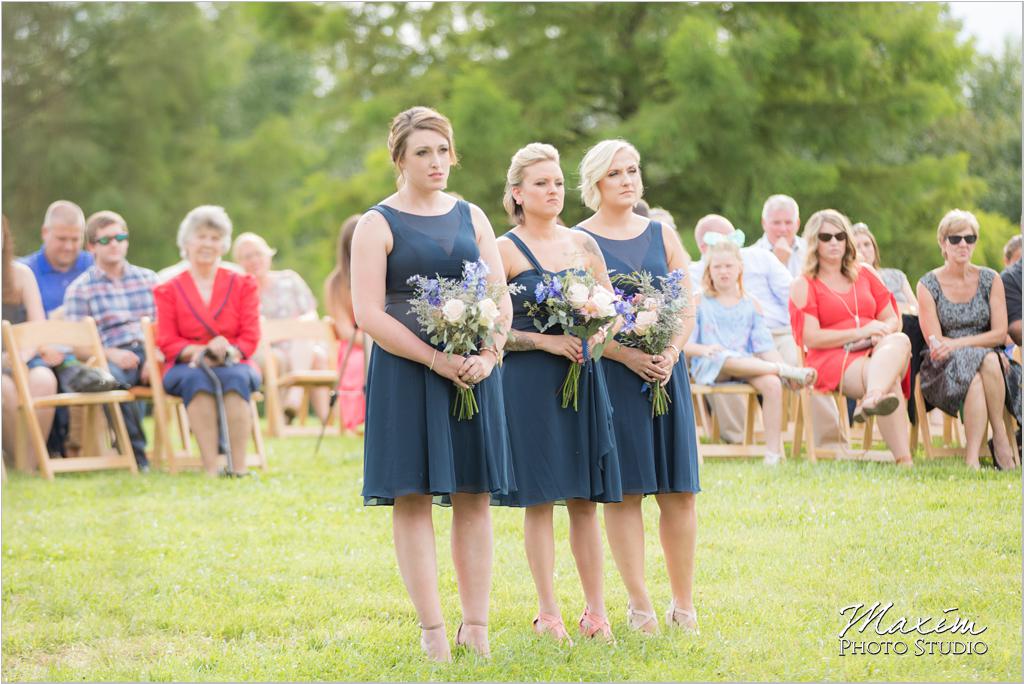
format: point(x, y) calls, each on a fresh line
point(767, 281)
point(1011, 251)
point(846, 318)
point(338, 299)
point(21, 303)
point(731, 340)
point(116, 294)
point(963, 316)
point(780, 221)
point(895, 279)
point(284, 295)
point(60, 260)
point(1012, 288)
point(210, 312)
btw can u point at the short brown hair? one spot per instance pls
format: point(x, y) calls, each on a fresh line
point(99, 221)
point(418, 119)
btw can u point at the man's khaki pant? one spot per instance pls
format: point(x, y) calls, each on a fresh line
point(732, 411)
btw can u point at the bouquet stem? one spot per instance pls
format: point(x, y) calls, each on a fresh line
point(571, 387)
point(659, 399)
point(465, 407)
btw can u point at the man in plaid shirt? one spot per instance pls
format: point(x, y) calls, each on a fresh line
point(117, 295)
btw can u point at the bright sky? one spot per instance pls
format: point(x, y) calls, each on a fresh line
point(989, 22)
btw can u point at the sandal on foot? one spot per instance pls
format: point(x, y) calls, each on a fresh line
point(426, 647)
point(681, 618)
point(591, 625)
point(885, 405)
point(637, 620)
point(801, 376)
point(553, 625)
point(465, 644)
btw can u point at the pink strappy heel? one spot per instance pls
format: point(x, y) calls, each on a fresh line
point(553, 625)
point(591, 625)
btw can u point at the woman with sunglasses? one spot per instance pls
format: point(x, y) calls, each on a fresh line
point(846, 319)
point(963, 317)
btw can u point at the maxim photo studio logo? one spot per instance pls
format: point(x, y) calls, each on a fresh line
point(885, 634)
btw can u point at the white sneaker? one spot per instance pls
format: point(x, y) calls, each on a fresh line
point(772, 459)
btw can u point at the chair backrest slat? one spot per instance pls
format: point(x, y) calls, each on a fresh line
point(280, 329)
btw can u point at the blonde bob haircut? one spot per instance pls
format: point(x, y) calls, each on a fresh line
point(417, 119)
point(818, 220)
point(725, 248)
point(534, 153)
point(254, 239)
point(859, 229)
point(595, 165)
point(955, 221)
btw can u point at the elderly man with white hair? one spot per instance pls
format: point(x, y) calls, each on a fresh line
point(768, 281)
point(780, 221)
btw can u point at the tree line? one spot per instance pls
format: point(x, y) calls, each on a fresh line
point(279, 112)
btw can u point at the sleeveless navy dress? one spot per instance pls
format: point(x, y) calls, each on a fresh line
point(413, 445)
point(557, 453)
point(657, 455)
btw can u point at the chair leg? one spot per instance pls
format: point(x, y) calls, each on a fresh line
point(798, 426)
point(38, 440)
point(812, 451)
point(121, 429)
point(257, 436)
point(922, 422)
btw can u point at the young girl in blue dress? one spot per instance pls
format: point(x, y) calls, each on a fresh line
point(415, 452)
point(657, 455)
point(732, 341)
point(559, 454)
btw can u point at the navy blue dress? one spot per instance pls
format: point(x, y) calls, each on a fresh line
point(413, 445)
point(659, 454)
point(557, 453)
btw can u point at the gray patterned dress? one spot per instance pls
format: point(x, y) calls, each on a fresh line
point(945, 384)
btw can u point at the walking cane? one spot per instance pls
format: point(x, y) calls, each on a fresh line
point(335, 390)
point(223, 442)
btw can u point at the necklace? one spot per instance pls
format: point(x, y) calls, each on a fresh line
point(855, 312)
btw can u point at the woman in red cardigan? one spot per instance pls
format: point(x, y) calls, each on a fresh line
point(210, 309)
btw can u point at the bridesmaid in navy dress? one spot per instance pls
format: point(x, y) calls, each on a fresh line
point(657, 455)
point(415, 452)
point(559, 454)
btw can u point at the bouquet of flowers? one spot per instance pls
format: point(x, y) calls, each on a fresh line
point(582, 306)
point(655, 318)
point(462, 315)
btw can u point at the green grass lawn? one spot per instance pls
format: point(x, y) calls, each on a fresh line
point(287, 577)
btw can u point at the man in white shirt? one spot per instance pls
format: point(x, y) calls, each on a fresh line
point(780, 221)
point(768, 281)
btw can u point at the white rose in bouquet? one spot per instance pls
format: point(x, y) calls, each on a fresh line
point(644, 320)
point(578, 294)
point(488, 312)
point(453, 310)
point(604, 302)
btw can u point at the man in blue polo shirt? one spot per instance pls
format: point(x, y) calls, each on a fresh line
point(60, 260)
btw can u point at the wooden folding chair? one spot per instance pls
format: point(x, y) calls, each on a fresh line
point(83, 337)
point(170, 415)
point(276, 383)
point(715, 447)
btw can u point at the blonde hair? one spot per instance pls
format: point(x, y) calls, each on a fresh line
point(955, 220)
point(418, 119)
point(533, 153)
point(862, 229)
point(831, 217)
point(595, 165)
point(255, 239)
point(723, 248)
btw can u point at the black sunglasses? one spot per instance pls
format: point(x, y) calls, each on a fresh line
point(955, 239)
point(827, 237)
point(120, 237)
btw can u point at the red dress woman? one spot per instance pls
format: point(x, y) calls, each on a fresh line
point(847, 320)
